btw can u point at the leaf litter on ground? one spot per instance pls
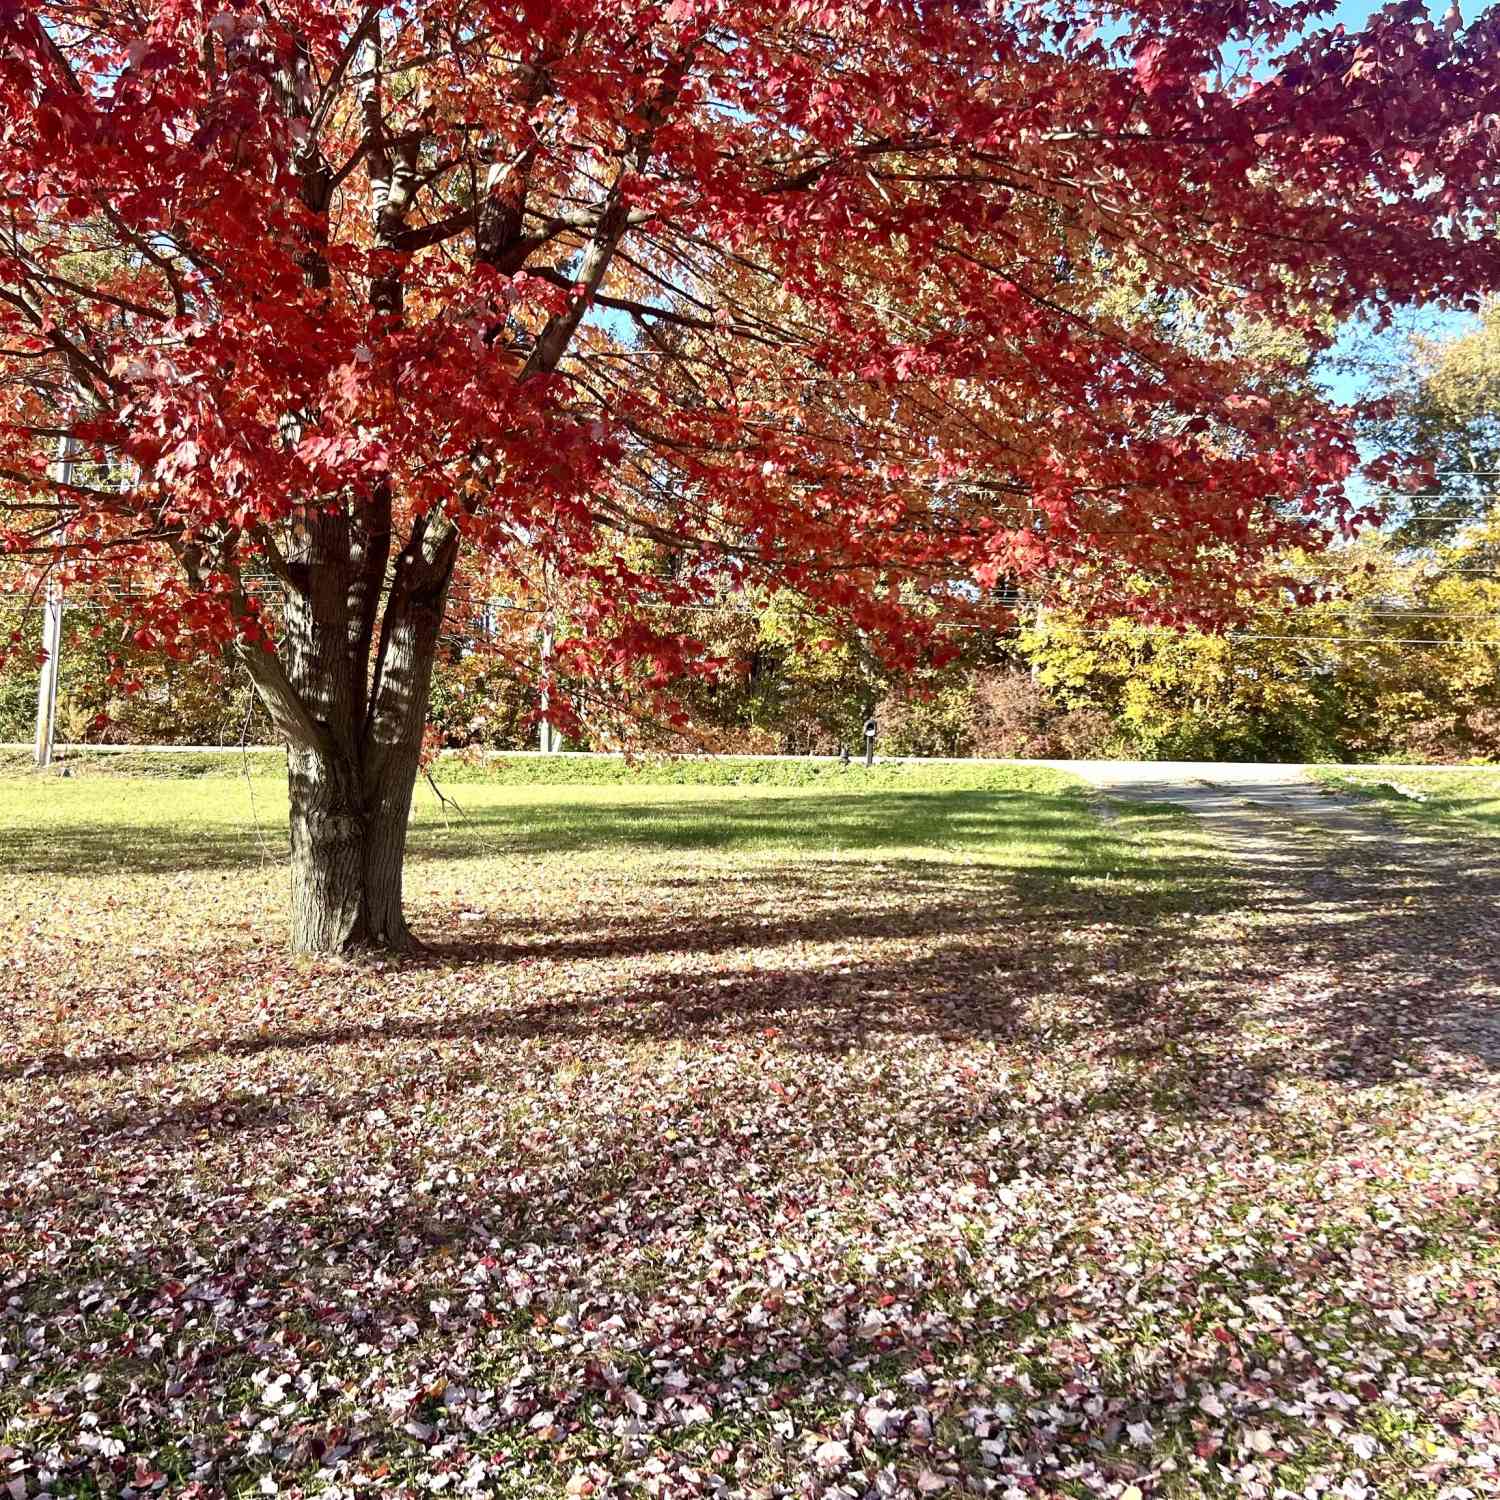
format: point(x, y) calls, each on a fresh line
point(1072, 1164)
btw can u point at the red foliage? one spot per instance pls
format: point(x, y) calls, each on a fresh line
point(1452, 739)
point(808, 296)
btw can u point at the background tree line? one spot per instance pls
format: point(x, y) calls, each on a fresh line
point(1400, 659)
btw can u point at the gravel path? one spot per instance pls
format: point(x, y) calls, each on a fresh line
point(1384, 913)
point(1250, 808)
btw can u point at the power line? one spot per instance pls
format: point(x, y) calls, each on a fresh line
point(1373, 640)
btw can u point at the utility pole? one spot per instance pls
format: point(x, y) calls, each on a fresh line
point(52, 616)
point(548, 735)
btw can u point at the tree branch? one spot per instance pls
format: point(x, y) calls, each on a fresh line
point(325, 104)
point(288, 712)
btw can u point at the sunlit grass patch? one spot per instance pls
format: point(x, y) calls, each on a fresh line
point(1451, 800)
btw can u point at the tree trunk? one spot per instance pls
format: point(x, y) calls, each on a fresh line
point(350, 806)
point(353, 724)
point(348, 844)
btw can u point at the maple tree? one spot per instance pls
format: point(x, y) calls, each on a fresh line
point(346, 304)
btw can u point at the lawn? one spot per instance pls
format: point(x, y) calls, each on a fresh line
point(100, 820)
point(1440, 800)
point(891, 1135)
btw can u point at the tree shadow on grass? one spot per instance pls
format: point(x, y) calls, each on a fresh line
point(1367, 966)
point(1389, 949)
point(610, 1220)
point(977, 944)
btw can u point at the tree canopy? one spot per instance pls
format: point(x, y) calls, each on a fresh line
point(1444, 409)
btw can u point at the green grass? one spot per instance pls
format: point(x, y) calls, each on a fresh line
point(465, 767)
point(1454, 801)
point(714, 1114)
point(96, 761)
point(1021, 817)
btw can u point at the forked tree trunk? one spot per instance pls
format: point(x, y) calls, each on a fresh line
point(351, 799)
point(353, 726)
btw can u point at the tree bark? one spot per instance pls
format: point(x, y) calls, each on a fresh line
point(349, 811)
point(353, 724)
point(346, 856)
